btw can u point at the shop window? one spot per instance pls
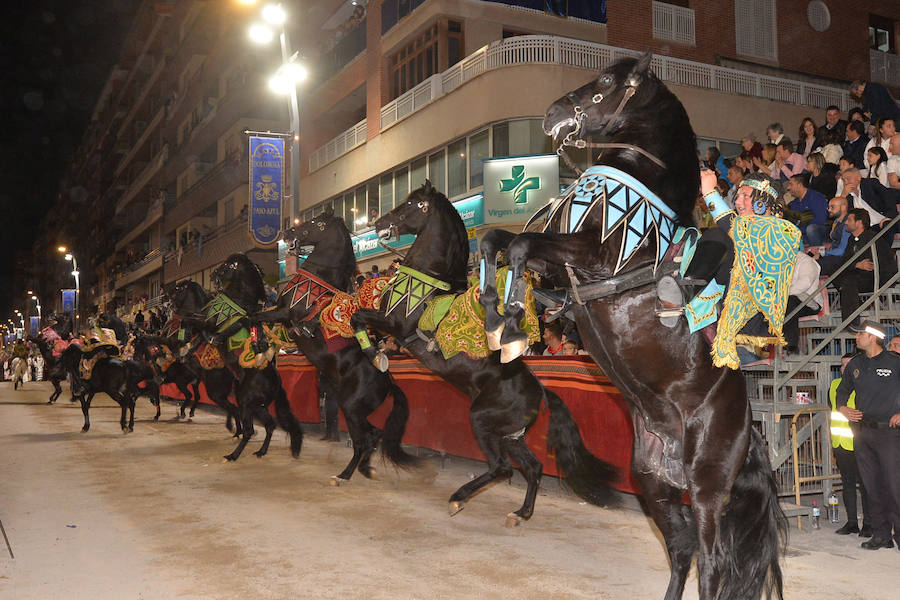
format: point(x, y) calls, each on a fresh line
point(372, 207)
point(479, 149)
point(386, 198)
point(456, 168)
point(437, 171)
point(401, 184)
point(417, 173)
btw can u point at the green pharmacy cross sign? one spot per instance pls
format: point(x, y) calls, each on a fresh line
point(519, 184)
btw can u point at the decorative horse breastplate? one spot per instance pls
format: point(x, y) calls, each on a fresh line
point(412, 288)
point(310, 291)
point(626, 204)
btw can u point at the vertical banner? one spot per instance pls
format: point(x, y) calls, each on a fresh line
point(266, 189)
point(68, 301)
point(35, 324)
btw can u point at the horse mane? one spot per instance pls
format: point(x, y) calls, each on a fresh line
point(655, 119)
point(450, 232)
point(340, 261)
point(250, 284)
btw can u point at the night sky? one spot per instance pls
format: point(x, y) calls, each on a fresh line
point(56, 57)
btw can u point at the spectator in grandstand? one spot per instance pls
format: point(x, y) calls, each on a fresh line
point(787, 162)
point(832, 254)
point(823, 175)
point(735, 176)
point(774, 133)
point(876, 99)
point(553, 338)
point(831, 147)
point(767, 163)
point(861, 276)
point(716, 162)
point(804, 282)
point(882, 138)
point(745, 162)
point(893, 164)
point(877, 159)
point(807, 138)
point(808, 210)
point(855, 146)
point(880, 202)
point(833, 122)
point(752, 147)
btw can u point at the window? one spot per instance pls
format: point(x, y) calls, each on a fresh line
point(415, 62)
point(401, 184)
point(454, 43)
point(755, 29)
point(387, 194)
point(881, 34)
point(417, 173)
point(437, 171)
point(228, 211)
point(456, 168)
point(349, 211)
point(372, 208)
point(520, 137)
point(674, 23)
point(479, 148)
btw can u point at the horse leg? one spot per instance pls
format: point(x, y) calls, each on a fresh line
point(132, 401)
point(499, 466)
point(531, 468)
point(183, 388)
point(85, 409)
point(57, 390)
point(195, 384)
point(494, 241)
point(246, 419)
point(360, 439)
point(269, 423)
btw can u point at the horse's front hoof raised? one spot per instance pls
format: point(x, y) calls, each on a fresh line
point(493, 338)
point(337, 481)
point(381, 362)
point(513, 350)
point(455, 507)
point(513, 520)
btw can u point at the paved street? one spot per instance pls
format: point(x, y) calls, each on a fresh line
point(155, 514)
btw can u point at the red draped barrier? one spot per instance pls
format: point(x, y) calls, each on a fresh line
point(439, 414)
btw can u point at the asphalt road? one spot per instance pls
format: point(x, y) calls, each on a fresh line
point(155, 514)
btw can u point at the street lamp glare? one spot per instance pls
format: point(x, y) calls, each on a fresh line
point(260, 34)
point(75, 273)
point(68, 257)
point(62, 249)
point(295, 72)
point(280, 84)
point(34, 297)
point(274, 14)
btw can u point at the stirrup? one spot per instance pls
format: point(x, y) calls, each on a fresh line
point(670, 300)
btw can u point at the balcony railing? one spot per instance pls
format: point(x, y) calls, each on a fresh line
point(339, 146)
point(152, 261)
point(141, 180)
point(543, 49)
point(884, 67)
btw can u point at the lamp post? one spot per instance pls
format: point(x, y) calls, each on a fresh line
point(71, 257)
point(285, 81)
point(37, 303)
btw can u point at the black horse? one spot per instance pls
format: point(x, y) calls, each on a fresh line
point(692, 421)
point(188, 298)
point(148, 350)
point(240, 281)
point(360, 388)
point(54, 370)
point(506, 398)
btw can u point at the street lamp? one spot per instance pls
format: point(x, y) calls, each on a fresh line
point(37, 303)
point(71, 257)
point(285, 81)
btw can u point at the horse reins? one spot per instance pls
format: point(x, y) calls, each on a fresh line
point(573, 138)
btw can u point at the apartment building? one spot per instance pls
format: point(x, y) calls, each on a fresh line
point(401, 90)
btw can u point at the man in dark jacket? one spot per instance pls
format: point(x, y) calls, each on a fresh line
point(861, 276)
point(855, 146)
point(877, 100)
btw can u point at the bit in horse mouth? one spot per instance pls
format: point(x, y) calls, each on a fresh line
point(386, 234)
point(554, 132)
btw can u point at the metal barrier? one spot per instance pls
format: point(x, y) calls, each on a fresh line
point(811, 451)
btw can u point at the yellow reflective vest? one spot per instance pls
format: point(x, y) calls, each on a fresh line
point(841, 436)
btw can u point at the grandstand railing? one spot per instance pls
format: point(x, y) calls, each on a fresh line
point(547, 49)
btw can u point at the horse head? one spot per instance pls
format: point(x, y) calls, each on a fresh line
point(332, 256)
point(442, 244)
point(186, 296)
point(241, 280)
point(647, 129)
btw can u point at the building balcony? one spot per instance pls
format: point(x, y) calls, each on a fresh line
point(154, 214)
point(143, 178)
point(138, 144)
point(884, 67)
point(221, 179)
point(150, 263)
point(208, 250)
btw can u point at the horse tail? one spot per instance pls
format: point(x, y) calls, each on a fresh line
point(587, 476)
point(395, 427)
point(753, 531)
point(288, 421)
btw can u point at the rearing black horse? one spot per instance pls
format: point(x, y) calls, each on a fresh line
point(506, 398)
point(54, 370)
point(360, 388)
point(692, 421)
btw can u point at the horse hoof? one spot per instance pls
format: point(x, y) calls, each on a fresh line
point(381, 362)
point(455, 507)
point(493, 338)
point(513, 520)
point(190, 419)
point(513, 350)
point(370, 473)
point(228, 459)
point(336, 481)
point(156, 418)
point(84, 429)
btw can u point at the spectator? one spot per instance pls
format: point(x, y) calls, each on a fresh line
point(876, 99)
point(832, 255)
point(138, 320)
point(855, 145)
point(823, 175)
point(860, 277)
point(880, 202)
point(735, 176)
point(831, 147)
point(810, 210)
point(745, 162)
point(874, 375)
point(787, 162)
point(767, 162)
point(842, 444)
point(722, 186)
point(553, 338)
point(374, 272)
point(877, 159)
point(716, 162)
point(753, 148)
point(774, 133)
point(833, 123)
point(894, 345)
point(893, 164)
point(804, 282)
point(882, 138)
point(807, 138)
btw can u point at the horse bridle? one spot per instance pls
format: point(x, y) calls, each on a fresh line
point(574, 139)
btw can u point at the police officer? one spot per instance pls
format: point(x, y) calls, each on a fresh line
point(842, 442)
point(874, 374)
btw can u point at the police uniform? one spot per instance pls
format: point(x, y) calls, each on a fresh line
point(842, 443)
point(876, 381)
